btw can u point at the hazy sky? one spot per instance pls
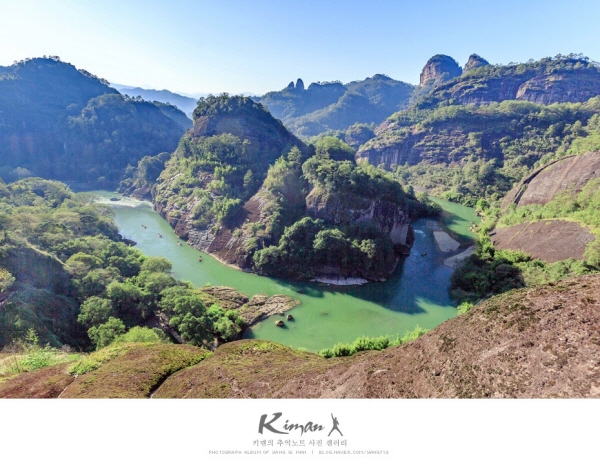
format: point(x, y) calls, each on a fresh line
point(261, 45)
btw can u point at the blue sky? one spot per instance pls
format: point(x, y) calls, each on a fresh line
point(258, 46)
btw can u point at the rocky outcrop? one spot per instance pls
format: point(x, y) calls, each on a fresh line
point(345, 208)
point(530, 343)
point(544, 88)
point(474, 62)
point(439, 67)
point(544, 183)
point(548, 240)
point(252, 310)
point(546, 81)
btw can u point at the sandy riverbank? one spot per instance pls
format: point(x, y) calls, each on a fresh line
point(454, 261)
point(341, 281)
point(445, 242)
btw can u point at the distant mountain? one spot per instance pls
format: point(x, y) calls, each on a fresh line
point(62, 123)
point(571, 78)
point(185, 103)
point(174, 113)
point(477, 134)
point(331, 106)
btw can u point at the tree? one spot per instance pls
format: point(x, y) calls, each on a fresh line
point(95, 311)
point(6, 280)
point(106, 333)
point(157, 264)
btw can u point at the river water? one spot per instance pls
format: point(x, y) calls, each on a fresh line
point(416, 294)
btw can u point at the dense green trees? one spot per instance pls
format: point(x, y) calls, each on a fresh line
point(60, 122)
point(69, 277)
point(490, 271)
point(491, 146)
point(309, 245)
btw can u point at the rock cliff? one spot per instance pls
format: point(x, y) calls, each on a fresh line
point(550, 240)
point(547, 81)
point(346, 208)
point(439, 67)
point(544, 183)
point(474, 62)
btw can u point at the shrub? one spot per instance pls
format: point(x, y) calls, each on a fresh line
point(368, 343)
point(142, 334)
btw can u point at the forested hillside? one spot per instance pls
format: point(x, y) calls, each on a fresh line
point(67, 124)
point(67, 275)
point(242, 187)
point(333, 106)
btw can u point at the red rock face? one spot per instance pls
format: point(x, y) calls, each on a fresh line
point(439, 67)
point(555, 240)
point(541, 186)
point(341, 209)
point(474, 62)
point(572, 86)
point(569, 86)
point(551, 241)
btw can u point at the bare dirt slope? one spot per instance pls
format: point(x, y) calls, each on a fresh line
point(48, 382)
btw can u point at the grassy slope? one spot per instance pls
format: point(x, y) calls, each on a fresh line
point(119, 371)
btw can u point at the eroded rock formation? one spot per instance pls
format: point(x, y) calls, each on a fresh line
point(344, 209)
point(544, 183)
point(439, 67)
point(474, 62)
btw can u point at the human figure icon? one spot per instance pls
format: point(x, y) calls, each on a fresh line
point(335, 426)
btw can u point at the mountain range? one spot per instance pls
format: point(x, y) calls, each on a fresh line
point(306, 182)
point(186, 104)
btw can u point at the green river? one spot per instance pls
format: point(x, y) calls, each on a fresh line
point(416, 294)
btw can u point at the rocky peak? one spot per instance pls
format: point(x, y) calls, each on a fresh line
point(440, 67)
point(245, 119)
point(290, 86)
point(300, 85)
point(474, 62)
